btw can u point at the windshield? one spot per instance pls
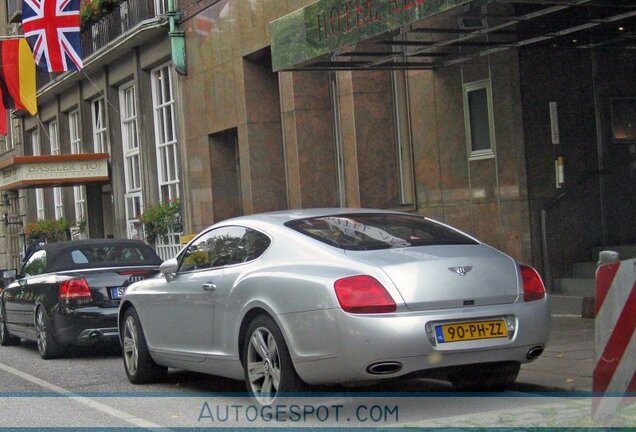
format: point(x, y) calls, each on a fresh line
point(370, 231)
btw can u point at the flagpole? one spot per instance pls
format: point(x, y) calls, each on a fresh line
point(11, 37)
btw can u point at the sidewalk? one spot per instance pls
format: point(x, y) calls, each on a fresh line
point(568, 360)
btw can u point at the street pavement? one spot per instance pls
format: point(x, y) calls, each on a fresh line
point(568, 360)
point(89, 388)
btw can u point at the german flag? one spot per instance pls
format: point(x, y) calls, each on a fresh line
point(3, 115)
point(17, 71)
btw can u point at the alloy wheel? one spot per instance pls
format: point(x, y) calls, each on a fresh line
point(263, 366)
point(40, 328)
point(131, 350)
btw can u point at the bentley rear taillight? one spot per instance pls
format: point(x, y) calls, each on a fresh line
point(363, 294)
point(533, 288)
point(75, 289)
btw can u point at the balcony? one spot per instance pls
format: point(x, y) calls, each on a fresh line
point(126, 15)
point(130, 24)
point(14, 11)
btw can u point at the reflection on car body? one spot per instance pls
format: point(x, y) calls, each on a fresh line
point(322, 296)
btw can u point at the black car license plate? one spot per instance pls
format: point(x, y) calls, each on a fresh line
point(117, 292)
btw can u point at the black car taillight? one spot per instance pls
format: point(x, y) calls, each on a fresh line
point(75, 289)
point(134, 272)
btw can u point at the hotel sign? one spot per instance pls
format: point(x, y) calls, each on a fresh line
point(23, 172)
point(326, 25)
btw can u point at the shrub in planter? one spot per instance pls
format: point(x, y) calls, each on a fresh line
point(92, 10)
point(161, 219)
point(50, 229)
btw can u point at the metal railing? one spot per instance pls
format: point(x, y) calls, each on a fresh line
point(168, 246)
point(120, 20)
point(545, 212)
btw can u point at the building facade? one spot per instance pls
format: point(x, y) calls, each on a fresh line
point(122, 104)
point(500, 118)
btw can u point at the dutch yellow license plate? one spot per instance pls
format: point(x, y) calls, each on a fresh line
point(471, 331)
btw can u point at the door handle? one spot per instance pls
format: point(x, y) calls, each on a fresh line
point(209, 287)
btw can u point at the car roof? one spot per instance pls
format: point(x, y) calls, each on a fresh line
point(59, 259)
point(283, 216)
point(59, 246)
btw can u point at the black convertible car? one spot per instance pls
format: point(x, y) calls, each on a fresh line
point(67, 293)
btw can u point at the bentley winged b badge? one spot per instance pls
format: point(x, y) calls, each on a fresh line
point(462, 271)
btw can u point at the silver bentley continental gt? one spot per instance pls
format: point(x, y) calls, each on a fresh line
point(306, 297)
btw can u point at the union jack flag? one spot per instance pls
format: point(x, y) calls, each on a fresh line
point(52, 29)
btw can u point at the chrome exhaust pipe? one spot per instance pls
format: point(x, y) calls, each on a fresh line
point(384, 368)
point(534, 353)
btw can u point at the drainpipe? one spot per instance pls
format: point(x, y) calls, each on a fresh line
point(177, 40)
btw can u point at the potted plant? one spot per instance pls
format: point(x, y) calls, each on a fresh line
point(161, 219)
point(92, 10)
point(50, 229)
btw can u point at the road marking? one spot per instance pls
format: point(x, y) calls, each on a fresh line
point(114, 412)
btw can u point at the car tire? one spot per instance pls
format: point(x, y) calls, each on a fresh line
point(138, 364)
point(5, 337)
point(48, 347)
point(269, 370)
point(486, 377)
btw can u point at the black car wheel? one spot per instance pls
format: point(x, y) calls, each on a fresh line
point(486, 377)
point(269, 370)
point(5, 338)
point(139, 365)
point(48, 347)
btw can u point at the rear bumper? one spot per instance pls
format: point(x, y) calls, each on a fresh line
point(333, 346)
point(86, 326)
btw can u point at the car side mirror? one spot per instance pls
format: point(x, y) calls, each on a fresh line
point(169, 268)
point(10, 275)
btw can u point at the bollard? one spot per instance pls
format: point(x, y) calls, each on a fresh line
point(615, 339)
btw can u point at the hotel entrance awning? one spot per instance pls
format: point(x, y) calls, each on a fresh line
point(430, 34)
point(27, 172)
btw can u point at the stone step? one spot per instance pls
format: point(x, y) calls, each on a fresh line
point(576, 286)
point(571, 305)
point(584, 270)
point(625, 251)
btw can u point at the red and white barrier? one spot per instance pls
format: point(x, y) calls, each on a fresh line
point(615, 340)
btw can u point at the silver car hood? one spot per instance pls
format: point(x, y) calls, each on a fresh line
point(444, 277)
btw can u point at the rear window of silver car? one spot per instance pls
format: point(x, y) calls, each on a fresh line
point(372, 231)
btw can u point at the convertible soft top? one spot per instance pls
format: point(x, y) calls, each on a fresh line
point(97, 253)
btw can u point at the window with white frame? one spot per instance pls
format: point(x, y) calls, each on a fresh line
point(160, 7)
point(132, 164)
point(165, 133)
point(39, 193)
point(479, 119)
point(15, 132)
point(58, 200)
point(166, 148)
point(79, 192)
point(100, 127)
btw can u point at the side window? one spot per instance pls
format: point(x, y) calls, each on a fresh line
point(252, 245)
point(35, 265)
point(213, 249)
